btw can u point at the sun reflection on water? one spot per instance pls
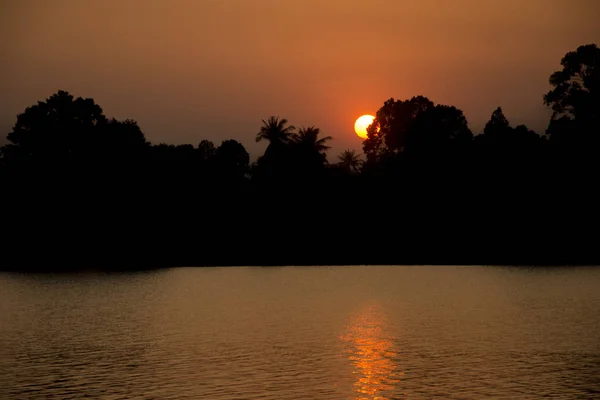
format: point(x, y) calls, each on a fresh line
point(373, 356)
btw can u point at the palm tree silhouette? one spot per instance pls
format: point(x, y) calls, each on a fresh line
point(350, 161)
point(275, 131)
point(308, 138)
point(309, 147)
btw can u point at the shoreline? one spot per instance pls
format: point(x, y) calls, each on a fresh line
point(148, 267)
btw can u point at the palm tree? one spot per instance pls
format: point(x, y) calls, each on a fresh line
point(350, 161)
point(275, 131)
point(308, 139)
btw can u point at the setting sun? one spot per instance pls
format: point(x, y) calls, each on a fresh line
point(361, 125)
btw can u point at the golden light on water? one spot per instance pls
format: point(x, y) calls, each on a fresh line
point(373, 356)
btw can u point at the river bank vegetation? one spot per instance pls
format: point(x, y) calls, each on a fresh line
point(82, 190)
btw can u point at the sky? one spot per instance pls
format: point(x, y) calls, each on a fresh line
point(188, 70)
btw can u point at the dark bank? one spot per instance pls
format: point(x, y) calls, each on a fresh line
point(81, 190)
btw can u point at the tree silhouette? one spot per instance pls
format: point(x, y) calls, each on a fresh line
point(350, 161)
point(306, 156)
point(575, 98)
point(577, 86)
point(497, 124)
point(508, 159)
point(276, 131)
point(275, 163)
point(206, 150)
point(307, 141)
point(119, 140)
point(500, 137)
point(437, 129)
point(59, 128)
point(430, 192)
point(388, 132)
point(64, 129)
point(232, 159)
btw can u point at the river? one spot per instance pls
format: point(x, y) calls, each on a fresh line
point(358, 332)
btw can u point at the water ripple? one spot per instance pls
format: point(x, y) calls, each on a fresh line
point(296, 333)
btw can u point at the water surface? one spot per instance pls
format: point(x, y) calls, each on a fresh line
point(302, 333)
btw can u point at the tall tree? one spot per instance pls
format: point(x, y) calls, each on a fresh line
point(576, 88)
point(499, 133)
point(275, 130)
point(307, 156)
point(496, 131)
point(414, 126)
point(388, 132)
point(497, 123)
point(503, 151)
point(575, 99)
point(307, 141)
point(232, 159)
point(206, 150)
point(120, 139)
point(437, 129)
point(275, 162)
point(350, 161)
point(62, 127)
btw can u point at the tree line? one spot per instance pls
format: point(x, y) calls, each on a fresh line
point(82, 189)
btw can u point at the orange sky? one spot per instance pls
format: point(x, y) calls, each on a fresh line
point(189, 70)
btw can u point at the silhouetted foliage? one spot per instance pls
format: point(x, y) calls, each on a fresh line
point(498, 136)
point(60, 128)
point(232, 160)
point(437, 129)
point(206, 150)
point(307, 141)
point(577, 85)
point(272, 166)
point(350, 161)
point(277, 133)
point(308, 152)
point(576, 96)
point(497, 125)
point(81, 188)
point(389, 130)
point(291, 157)
point(510, 157)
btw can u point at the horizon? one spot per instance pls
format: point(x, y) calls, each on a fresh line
point(188, 71)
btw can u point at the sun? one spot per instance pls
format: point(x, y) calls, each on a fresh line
point(361, 125)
